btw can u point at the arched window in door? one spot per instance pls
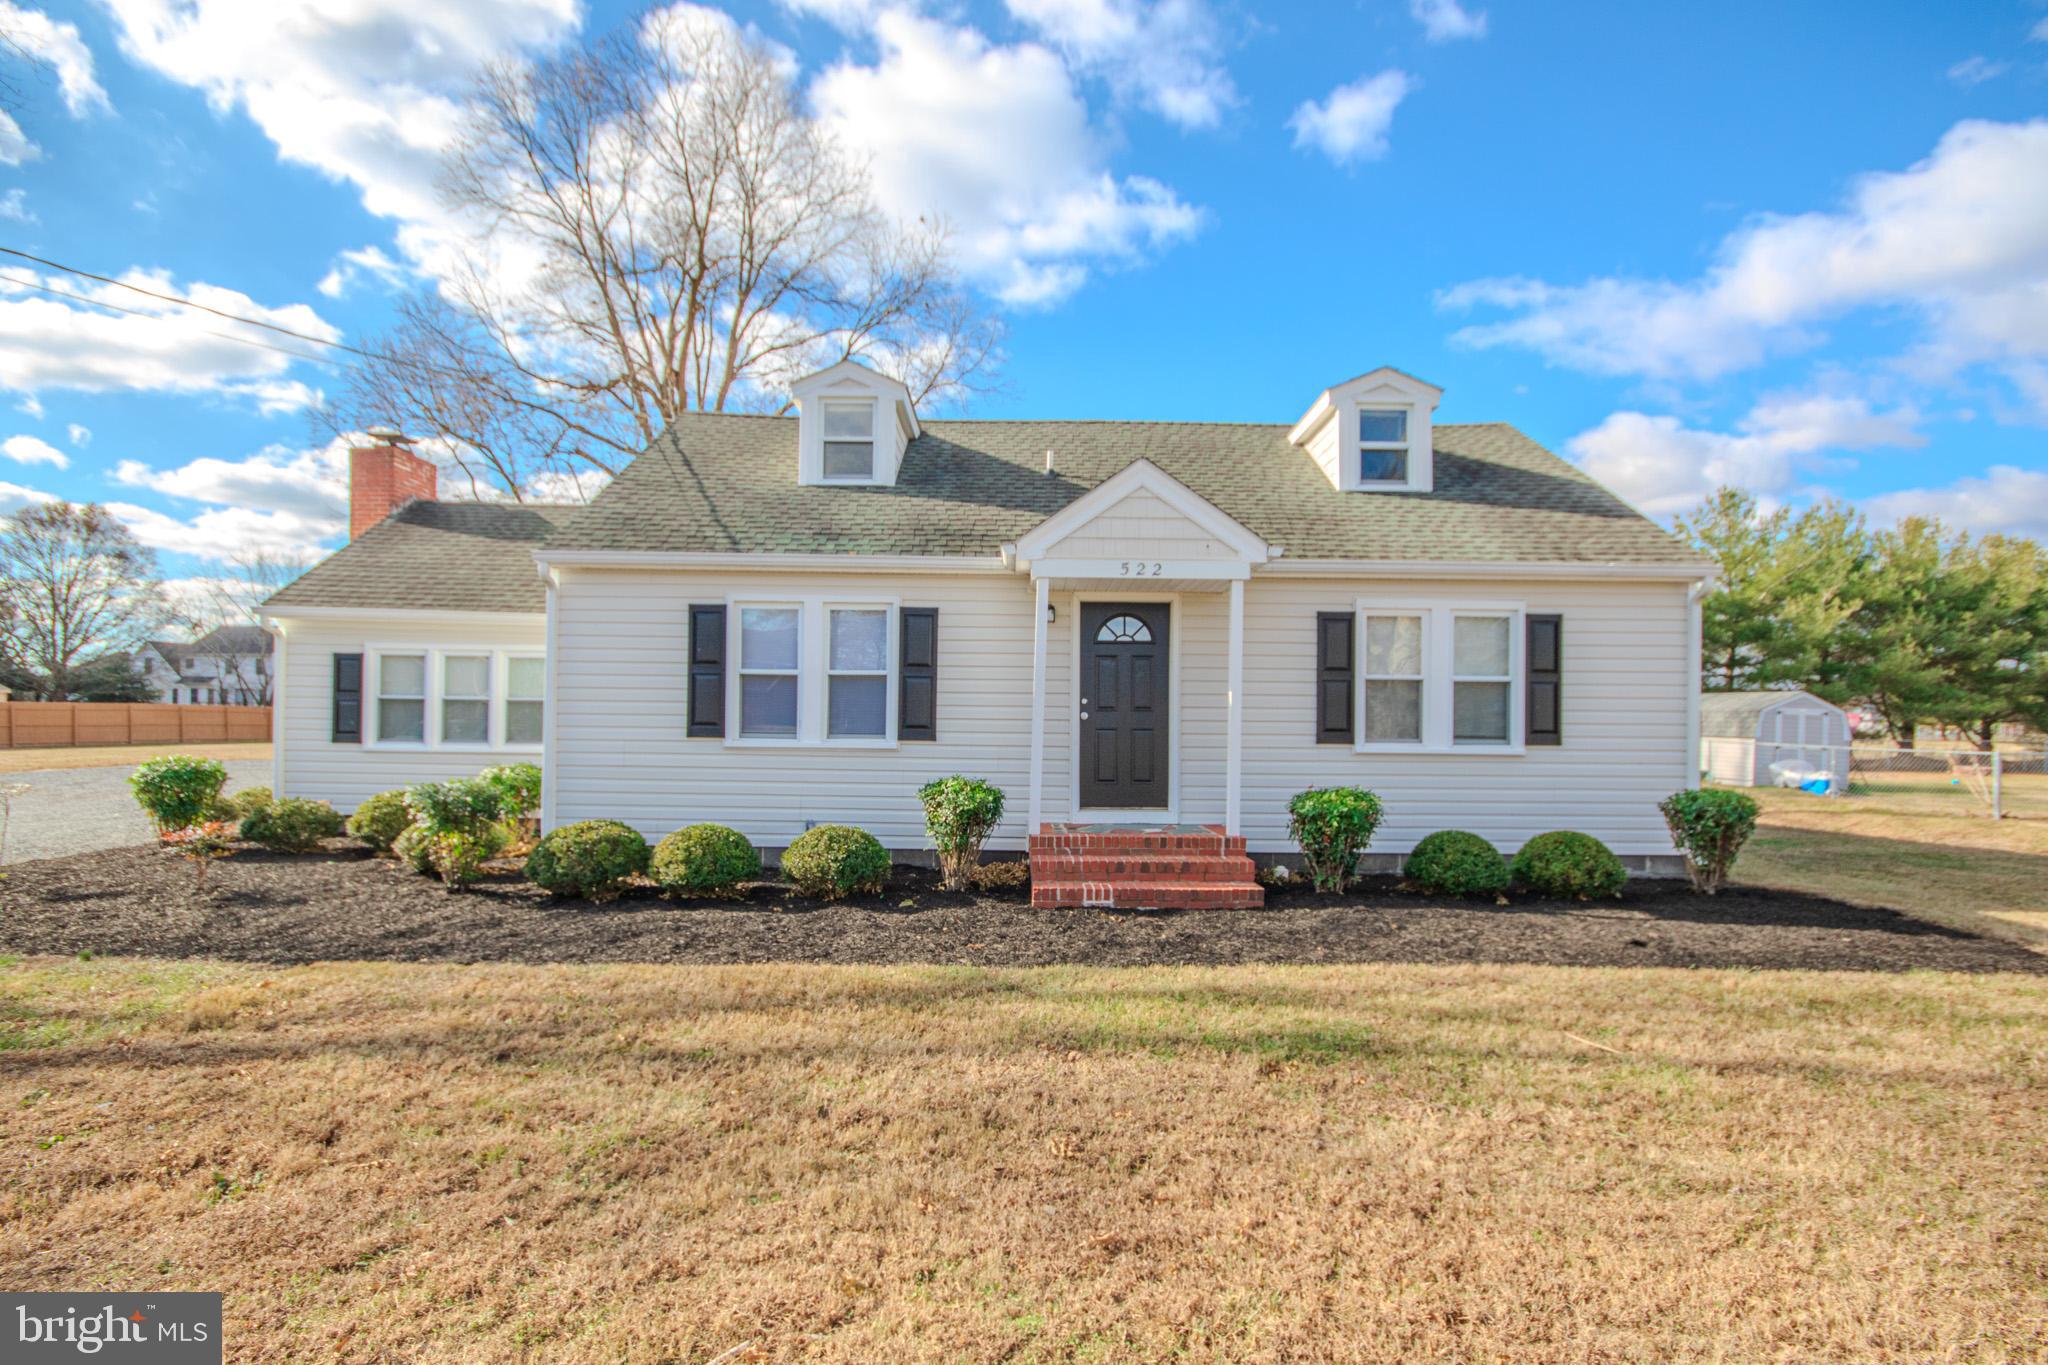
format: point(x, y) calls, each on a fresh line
point(1124, 630)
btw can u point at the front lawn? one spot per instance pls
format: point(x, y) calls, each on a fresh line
point(1378, 1163)
point(345, 905)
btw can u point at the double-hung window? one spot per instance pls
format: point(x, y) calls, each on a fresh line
point(526, 690)
point(402, 698)
point(1440, 678)
point(815, 671)
point(849, 439)
point(466, 698)
point(1382, 445)
point(771, 655)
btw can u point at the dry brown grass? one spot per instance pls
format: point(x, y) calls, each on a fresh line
point(1959, 869)
point(122, 755)
point(846, 1164)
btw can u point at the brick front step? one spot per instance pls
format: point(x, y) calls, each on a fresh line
point(1105, 867)
point(1148, 895)
point(1181, 840)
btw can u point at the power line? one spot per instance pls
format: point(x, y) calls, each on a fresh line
point(159, 317)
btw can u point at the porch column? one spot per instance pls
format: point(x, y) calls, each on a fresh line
point(1233, 769)
point(1040, 599)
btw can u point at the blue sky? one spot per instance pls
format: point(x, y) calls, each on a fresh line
point(1803, 248)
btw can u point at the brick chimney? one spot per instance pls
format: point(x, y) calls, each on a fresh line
point(383, 478)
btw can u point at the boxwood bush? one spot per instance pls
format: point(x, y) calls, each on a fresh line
point(959, 815)
point(591, 858)
point(1710, 827)
point(1568, 866)
point(519, 785)
point(460, 826)
point(705, 861)
point(380, 820)
point(1452, 862)
point(178, 790)
point(1332, 826)
point(242, 804)
point(292, 825)
point(835, 861)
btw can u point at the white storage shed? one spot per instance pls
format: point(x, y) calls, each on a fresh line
point(1774, 739)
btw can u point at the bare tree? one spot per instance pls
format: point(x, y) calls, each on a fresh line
point(75, 587)
point(225, 621)
point(660, 229)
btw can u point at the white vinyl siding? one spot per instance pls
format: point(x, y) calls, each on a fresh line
point(311, 764)
point(621, 753)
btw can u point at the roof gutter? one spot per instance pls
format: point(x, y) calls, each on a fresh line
point(1518, 568)
point(789, 563)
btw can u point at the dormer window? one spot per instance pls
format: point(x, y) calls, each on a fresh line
point(1383, 446)
point(849, 439)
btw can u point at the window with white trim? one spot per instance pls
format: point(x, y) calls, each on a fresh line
point(813, 671)
point(857, 674)
point(1393, 677)
point(526, 691)
point(849, 432)
point(402, 698)
point(468, 698)
point(770, 655)
point(1382, 445)
point(1440, 678)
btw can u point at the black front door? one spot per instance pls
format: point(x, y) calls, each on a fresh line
point(1125, 723)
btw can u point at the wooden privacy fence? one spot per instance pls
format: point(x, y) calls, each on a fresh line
point(62, 724)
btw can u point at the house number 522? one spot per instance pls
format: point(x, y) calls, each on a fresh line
point(1141, 568)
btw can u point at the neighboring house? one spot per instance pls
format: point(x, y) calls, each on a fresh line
point(776, 622)
point(227, 666)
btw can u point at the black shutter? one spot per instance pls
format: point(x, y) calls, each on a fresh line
point(707, 671)
point(917, 708)
point(1334, 655)
point(348, 699)
point(1545, 686)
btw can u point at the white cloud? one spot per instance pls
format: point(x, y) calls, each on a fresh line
point(1163, 55)
point(1958, 241)
point(1445, 21)
point(351, 266)
point(58, 46)
point(360, 91)
point(1351, 124)
point(51, 342)
point(1662, 466)
point(80, 436)
point(15, 146)
point(14, 497)
point(1977, 70)
point(33, 450)
point(995, 141)
point(2003, 499)
point(2039, 33)
point(278, 501)
point(14, 207)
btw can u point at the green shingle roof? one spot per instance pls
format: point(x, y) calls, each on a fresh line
point(726, 483)
point(435, 556)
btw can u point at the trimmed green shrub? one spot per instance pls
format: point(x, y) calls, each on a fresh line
point(519, 784)
point(380, 820)
point(178, 790)
point(959, 815)
point(1452, 862)
point(705, 861)
point(834, 861)
point(1332, 826)
point(292, 825)
point(460, 827)
point(242, 804)
point(1568, 865)
point(591, 858)
point(413, 847)
point(1709, 826)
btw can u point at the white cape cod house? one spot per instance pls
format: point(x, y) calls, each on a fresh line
point(778, 622)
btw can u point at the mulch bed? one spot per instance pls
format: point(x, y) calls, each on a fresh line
point(345, 904)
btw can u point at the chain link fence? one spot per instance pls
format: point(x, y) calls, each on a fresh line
point(1922, 781)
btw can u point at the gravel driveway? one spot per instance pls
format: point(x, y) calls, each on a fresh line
point(81, 810)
